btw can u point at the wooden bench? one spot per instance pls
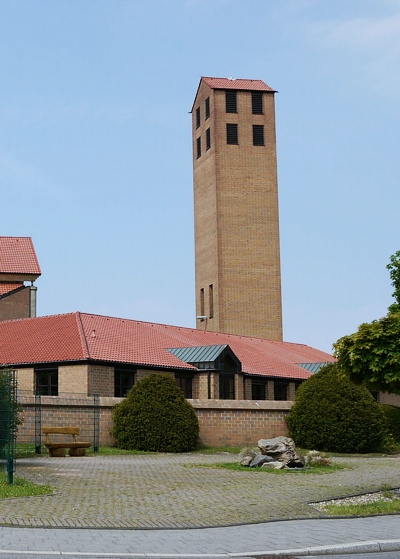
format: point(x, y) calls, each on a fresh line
point(59, 448)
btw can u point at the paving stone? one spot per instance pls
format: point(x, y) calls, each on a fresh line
point(177, 491)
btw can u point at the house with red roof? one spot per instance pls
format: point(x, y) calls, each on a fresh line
point(248, 381)
point(18, 264)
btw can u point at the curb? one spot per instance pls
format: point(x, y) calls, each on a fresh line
point(364, 547)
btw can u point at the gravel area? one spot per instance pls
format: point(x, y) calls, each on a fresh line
point(177, 491)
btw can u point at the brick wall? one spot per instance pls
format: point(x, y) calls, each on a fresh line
point(101, 380)
point(222, 422)
point(73, 379)
point(16, 305)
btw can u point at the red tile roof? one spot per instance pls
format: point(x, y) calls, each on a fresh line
point(8, 287)
point(80, 336)
point(232, 83)
point(17, 256)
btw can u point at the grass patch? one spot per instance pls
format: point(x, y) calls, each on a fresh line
point(21, 488)
point(364, 509)
point(238, 468)
point(218, 449)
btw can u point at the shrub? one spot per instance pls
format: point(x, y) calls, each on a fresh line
point(392, 416)
point(156, 417)
point(333, 414)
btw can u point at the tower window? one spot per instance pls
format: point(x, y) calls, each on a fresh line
point(257, 103)
point(198, 146)
point(202, 307)
point(232, 136)
point(211, 299)
point(258, 135)
point(207, 107)
point(208, 139)
point(197, 117)
point(231, 101)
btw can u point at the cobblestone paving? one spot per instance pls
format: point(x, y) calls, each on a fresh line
point(175, 491)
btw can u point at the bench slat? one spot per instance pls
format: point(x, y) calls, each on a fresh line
point(61, 430)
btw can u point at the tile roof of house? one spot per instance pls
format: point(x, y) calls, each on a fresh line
point(6, 288)
point(17, 256)
point(80, 336)
point(232, 83)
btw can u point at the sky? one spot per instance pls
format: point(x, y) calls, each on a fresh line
point(96, 149)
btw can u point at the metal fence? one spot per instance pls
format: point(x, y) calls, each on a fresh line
point(65, 410)
point(8, 421)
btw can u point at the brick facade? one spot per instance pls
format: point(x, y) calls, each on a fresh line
point(15, 305)
point(236, 219)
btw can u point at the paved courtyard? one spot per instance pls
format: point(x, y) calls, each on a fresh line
point(178, 491)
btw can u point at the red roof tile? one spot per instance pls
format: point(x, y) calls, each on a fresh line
point(232, 83)
point(8, 287)
point(17, 256)
point(81, 336)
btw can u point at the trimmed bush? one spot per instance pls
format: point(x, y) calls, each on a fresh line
point(156, 417)
point(392, 416)
point(333, 414)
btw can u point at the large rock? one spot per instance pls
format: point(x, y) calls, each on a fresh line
point(283, 450)
point(261, 460)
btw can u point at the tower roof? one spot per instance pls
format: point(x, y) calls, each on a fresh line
point(233, 83)
point(18, 257)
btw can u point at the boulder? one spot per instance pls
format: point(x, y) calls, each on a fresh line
point(282, 449)
point(261, 460)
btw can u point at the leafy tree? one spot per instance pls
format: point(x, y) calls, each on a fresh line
point(333, 414)
point(156, 417)
point(371, 356)
point(394, 270)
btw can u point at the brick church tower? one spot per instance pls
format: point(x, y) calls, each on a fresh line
point(238, 278)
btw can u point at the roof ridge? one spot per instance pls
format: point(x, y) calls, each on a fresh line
point(82, 335)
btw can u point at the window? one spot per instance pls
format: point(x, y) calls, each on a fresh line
point(197, 117)
point(258, 390)
point(185, 383)
point(208, 139)
point(124, 379)
point(46, 382)
point(198, 144)
point(207, 107)
point(231, 101)
point(258, 135)
point(232, 136)
point(226, 387)
point(280, 390)
point(257, 103)
point(202, 305)
point(211, 300)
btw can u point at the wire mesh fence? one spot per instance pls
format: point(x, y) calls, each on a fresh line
point(64, 410)
point(8, 421)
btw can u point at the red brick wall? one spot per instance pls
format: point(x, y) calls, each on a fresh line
point(16, 305)
point(222, 422)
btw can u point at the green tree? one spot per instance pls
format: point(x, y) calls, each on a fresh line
point(333, 414)
point(156, 417)
point(394, 270)
point(371, 356)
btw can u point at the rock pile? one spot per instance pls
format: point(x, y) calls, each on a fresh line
point(279, 453)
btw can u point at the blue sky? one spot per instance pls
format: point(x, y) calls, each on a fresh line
point(96, 157)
